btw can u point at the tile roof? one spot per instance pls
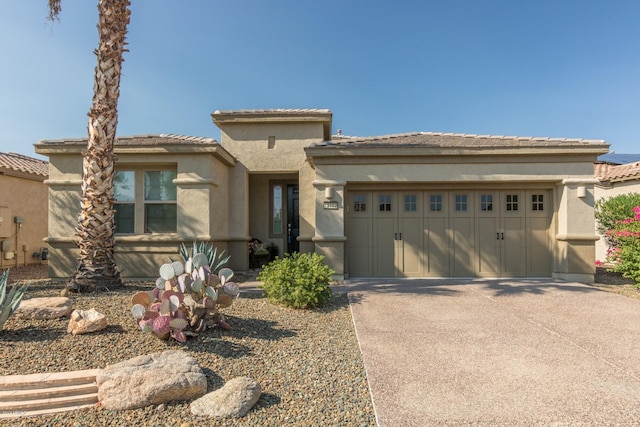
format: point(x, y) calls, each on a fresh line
point(151, 139)
point(21, 163)
point(275, 111)
point(627, 172)
point(441, 139)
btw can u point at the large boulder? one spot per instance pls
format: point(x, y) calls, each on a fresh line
point(44, 308)
point(234, 399)
point(86, 321)
point(151, 379)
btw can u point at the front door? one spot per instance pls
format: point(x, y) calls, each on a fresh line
point(293, 219)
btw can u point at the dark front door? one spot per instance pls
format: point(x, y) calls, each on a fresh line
point(293, 218)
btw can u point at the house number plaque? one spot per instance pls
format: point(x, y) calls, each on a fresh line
point(330, 205)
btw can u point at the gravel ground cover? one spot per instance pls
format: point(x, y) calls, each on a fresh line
point(308, 362)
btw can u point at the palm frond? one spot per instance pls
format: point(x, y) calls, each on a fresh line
point(55, 7)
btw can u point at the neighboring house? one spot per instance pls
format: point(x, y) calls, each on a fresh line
point(617, 174)
point(410, 205)
point(23, 210)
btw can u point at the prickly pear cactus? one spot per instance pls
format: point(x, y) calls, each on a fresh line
point(187, 297)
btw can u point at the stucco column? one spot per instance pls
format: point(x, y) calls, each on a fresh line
point(329, 236)
point(575, 238)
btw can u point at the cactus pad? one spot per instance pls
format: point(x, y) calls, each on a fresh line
point(231, 288)
point(138, 311)
point(178, 268)
point(167, 272)
point(142, 298)
point(227, 273)
point(200, 260)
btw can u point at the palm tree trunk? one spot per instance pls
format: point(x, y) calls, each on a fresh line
point(95, 229)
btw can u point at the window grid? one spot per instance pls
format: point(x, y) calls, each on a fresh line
point(461, 202)
point(410, 203)
point(537, 202)
point(152, 195)
point(486, 202)
point(512, 202)
point(435, 202)
point(385, 202)
point(360, 203)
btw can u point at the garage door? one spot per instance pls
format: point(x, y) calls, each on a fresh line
point(454, 233)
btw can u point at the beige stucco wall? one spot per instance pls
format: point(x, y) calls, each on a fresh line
point(573, 218)
point(202, 184)
point(615, 189)
point(22, 195)
point(258, 165)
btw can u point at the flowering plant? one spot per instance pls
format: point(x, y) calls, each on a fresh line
point(625, 254)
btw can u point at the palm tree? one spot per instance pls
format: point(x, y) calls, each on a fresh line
point(96, 226)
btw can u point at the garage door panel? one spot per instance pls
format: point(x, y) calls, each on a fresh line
point(514, 247)
point(488, 247)
point(384, 249)
point(436, 247)
point(360, 248)
point(539, 247)
point(461, 238)
point(412, 246)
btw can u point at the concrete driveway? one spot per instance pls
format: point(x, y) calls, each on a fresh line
point(498, 352)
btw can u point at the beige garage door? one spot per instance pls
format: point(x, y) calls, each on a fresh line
point(453, 233)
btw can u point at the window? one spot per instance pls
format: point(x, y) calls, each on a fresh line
point(461, 202)
point(512, 202)
point(435, 202)
point(537, 202)
point(385, 202)
point(125, 195)
point(160, 213)
point(145, 201)
point(410, 203)
point(278, 220)
point(359, 203)
point(486, 202)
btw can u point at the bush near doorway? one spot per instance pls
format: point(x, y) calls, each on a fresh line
point(297, 280)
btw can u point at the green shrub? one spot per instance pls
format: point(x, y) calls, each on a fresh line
point(626, 254)
point(297, 280)
point(610, 210)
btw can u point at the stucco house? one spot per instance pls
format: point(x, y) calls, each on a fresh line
point(617, 174)
point(23, 210)
point(410, 205)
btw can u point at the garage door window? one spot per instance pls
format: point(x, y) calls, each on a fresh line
point(461, 202)
point(486, 202)
point(435, 202)
point(512, 202)
point(385, 203)
point(410, 202)
point(537, 202)
point(359, 203)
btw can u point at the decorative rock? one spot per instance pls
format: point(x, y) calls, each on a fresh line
point(44, 308)
point(151, 379)
point(234, 399)
point(86, 321)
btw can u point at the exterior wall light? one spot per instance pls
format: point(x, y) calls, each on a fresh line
point(328, 193)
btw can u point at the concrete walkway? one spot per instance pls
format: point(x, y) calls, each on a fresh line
point(498, 352)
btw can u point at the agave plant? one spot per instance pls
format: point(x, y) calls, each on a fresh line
point(9, 303)
point(187, 298)
point(215, 260)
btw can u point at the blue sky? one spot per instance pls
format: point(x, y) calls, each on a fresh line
point(557, 68)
